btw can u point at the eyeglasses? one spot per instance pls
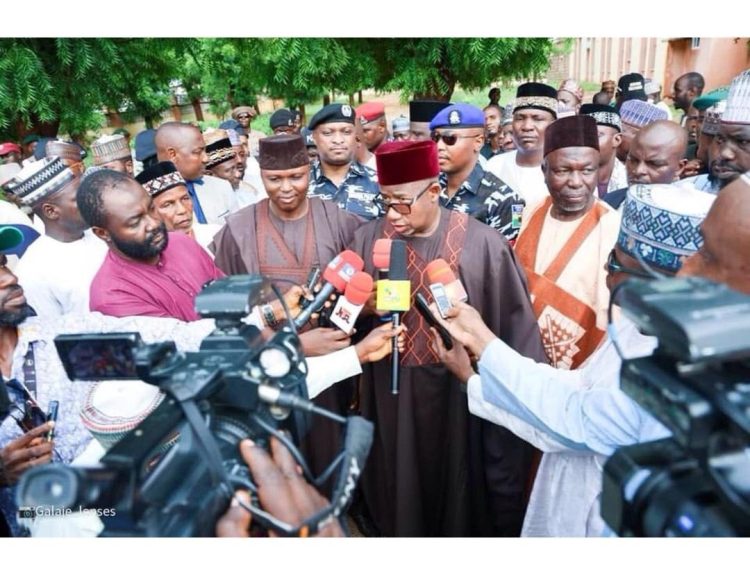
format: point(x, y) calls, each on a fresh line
point(449, 139)
point(242, 116)
point(613, 266)
point(403, 207)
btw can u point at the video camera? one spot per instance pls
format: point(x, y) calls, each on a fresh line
point(697, 383)
point(175, 474)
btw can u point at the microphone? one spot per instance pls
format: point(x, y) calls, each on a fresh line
point(394, 294)
point(351, 303)
point(439, 272)
point(336, 275)
point(381, 257)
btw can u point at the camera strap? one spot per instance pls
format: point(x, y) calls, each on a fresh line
point(206, 441)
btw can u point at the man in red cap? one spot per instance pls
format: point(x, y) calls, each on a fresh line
point(10, 153)
point(371, 115)
point(434, 470)
point(565, 242)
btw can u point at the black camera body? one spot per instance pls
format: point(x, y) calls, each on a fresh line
point(175, 474)
point(697, 384)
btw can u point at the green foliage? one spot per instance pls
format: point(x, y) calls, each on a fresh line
point(431, 67)
point(67, 83)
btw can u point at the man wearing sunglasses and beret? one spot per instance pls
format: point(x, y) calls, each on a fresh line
point(465, 186)
point(433, 470)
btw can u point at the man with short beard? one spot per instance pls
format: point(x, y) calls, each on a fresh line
point(733, 139)
point(147, 271)
point(564, 245)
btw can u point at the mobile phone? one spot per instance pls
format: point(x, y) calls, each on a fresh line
point(424, 310)
point(312, 278)
point(52, 416)
point(441, 298)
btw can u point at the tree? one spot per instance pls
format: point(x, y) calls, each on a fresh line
point(430, 68)
point(63, 84)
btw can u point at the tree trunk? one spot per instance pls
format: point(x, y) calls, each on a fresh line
point(301, 109)
point(196, 102)
point(351, 100)
point(326, 99)
point(359, 96)
point(176, 113)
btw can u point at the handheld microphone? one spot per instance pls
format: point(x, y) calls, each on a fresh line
point(381, 257)
point(351, 303)
point(439, 272)
point(336, 275)
point(394, 294)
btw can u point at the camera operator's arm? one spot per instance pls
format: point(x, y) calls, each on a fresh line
point(25, 452)
point(282, 492)
point(458, 362)
point(582, 409)
point(325, 370)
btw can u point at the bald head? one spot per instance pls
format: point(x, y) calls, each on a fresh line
point(657, 154)
point(724, 256)
point(183, 145)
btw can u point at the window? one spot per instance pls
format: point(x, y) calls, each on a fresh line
point(695, 43)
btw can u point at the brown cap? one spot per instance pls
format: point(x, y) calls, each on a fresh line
point(64, 150)
point(243, 110)
point(283, 152)
point(571, 132)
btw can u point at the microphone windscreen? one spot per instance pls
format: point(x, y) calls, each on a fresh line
point(439, 272)
point(342, 267)
point(397, 268)
point(381, 254)
point(359, 288)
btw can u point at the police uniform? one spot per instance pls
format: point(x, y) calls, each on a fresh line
point(482, 195)
point(357, 192)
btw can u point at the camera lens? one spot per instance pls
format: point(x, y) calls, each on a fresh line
point(51, 485)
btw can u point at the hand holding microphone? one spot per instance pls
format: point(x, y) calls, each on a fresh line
point(444, 285)
point(349, 305)
point(335, 277)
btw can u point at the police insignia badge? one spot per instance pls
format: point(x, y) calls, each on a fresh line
point(454, 118)
point(346, 110)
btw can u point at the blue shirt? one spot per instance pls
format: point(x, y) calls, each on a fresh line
point(488, 199)
point(355, 194)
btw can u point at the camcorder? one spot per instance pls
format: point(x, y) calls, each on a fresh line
point(697, 383)
point(175, 474)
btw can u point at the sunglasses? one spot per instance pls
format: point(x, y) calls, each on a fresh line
point(613, 266)
point(243, 116)
point(449, 139)
point(403, 207)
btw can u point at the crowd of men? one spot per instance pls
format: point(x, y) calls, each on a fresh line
point(539, 209)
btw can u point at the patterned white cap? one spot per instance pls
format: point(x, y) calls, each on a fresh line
point(738, 101)
point(713, 118)
point(110, 148)
point(114, 408)
point(661, 223)
point(40, 179)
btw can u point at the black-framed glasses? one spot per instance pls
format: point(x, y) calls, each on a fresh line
point(449, 139)
point(403, 207)
point(613, 267)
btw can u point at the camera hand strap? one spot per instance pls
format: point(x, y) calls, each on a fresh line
point(205, 440)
